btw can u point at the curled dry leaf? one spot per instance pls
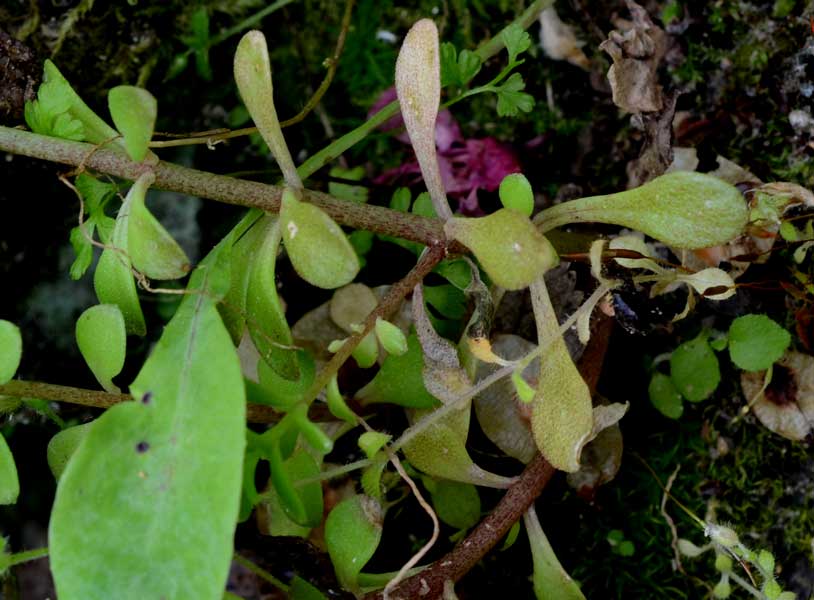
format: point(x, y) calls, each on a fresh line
point(636, 48)
point(351, 305)
point(786, 406)
point(559, 41)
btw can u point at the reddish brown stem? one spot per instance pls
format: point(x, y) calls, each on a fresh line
point(429, 583)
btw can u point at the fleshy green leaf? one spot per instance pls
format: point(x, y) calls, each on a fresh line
point(102, 340)
point(510, 249)
point(316, 245)
point(391, 337)
point(265, 317)
point(152, 249)
point(113, 280)
point(457, 504)
point(418, 86)
point(336, 403)
point(133, 110)
point(551, 582)
point(9, 482)
point(694, 369)
point(63, 445)
point(156, 482)
point(756, 342)
point(562, 414)
point(400, 380)
point(366, 352)
point(516, 193)
point(301, 465)
point(665, 397)
point(11, 350)
point(282, 393)
point(352, 533)
point(683, 209)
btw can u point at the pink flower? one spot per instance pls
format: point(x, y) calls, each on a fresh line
point(467, 165)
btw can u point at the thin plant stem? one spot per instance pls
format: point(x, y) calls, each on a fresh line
point(255, 413)
point(260, 572)
point(26, 555)
point(387, 306)
point(213, 137)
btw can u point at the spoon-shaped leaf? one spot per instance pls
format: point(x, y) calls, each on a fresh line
point(133, 110)
point(102, 340)
point(352, 533)
point(683, 209)
point(11, 350)
point(511, 250)
point(152, 249)
point(265, 315)
point(317, 247)
point(418, 86)
point(562, 416)
point(350, 305)
point(9, 482)
point(113, 279)
point(63, 445)
point(515, 192)
point(253, 76)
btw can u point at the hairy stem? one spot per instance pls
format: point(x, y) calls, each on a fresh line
point(239, 192)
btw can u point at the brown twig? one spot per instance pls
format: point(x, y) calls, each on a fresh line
point(255, 413)
point(386, 307)
point(221, 188)
point(429, 584)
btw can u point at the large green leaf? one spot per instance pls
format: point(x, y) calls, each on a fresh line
point(147, 505)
